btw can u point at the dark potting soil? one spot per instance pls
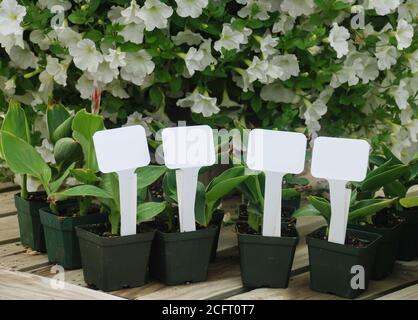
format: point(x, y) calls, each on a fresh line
point(73, 211)
point(288, 228)
point(386, 218)
point(104, 229)
point(156, 190)
point(349, 239)
point(37, 196)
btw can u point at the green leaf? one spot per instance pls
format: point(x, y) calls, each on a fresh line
point(200, 205)
point(233, 172)
point(67, 150)
point(389, 155)
point(307, 211)
point(369, 210)
point(394, 189)
point(84, 126)
point(149, 174)
point(148, 210)
point(15, 121)
point(22, 158)
point(84, 191)
point(377, 181)
point(93, 5)
point(85, 176)
point(409, 202)
point(63, 130)
point(322, 205)
point(290, 193)
point(55, 185)
point(56, 114)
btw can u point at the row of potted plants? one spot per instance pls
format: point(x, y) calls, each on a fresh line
point(79, 225)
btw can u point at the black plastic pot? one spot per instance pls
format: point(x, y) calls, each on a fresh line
point(331, 263)
point(386, 250)
point(408, 247)
point(61, 240)
point(30, 227)
point(266, 261)
point(178, 258)
point(112, 263)
point(217, 219)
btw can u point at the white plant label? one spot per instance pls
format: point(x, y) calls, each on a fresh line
point(123, 150)
point(276, 153)
point(339, 160)
point(187, 149)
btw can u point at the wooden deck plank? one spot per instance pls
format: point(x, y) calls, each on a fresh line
point(18, 285)
point(7, 203)
point(14, 256)
point(8, 186)
point(409, 293)
point(9, 229)
point(299, 288)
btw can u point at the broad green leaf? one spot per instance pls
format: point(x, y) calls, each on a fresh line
point(84, 126)
point(200, 205)
point(322, 205)
point(394, 189)
point(56, 114)
point(233, 172)
point(307, 211)
point(63, 130)
point(377, 181)
point(22, 158)
point(149, 174)
point(148, 210)
point(67, 150)
point(15, 121)
point(85, 176)
point(55, 185)
point(409, 202)
point(290, 193)
point(389, 155)
point(369, 210)
point(84, 191)
point(169, 185)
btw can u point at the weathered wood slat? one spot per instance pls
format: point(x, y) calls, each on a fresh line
point(299, 288)
point(409, 293)
point(7, 203)
point(17, 285)
point(9, 229)
point(14, 256)
point(8, 186)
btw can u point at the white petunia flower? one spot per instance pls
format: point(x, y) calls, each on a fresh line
point(68, 37)
point(155, 14)
point(46, 86)
point(32, 184)
point(242, 80)
point(46, 150)
point(115, 14)
point(188, 37)
point(258, 70)
point(105, 74)
point(255, 9)
point(198, 60)
point(39, 38)
point(413, 61)
point(276, 92)
point(129, 15)
point(11, 16)
point(199, 103)
point(338, 37)
point(346, 75)
point(268, 45)
point(49, 4)
point(296, 8)
point(115, 58)
point(23, 58)
point(86, 57)
point(133, 32)
point(85, 85)
point(404, 34)
point(137, 118)
point(408, 10)
point(384, 7)
point(232, 39)
point(386, 56)
point(401, 95)
point(284, 24)
point(117, 90)
point(57, 70)
point(12, 40)
point(138, 66)
point(287, 65)
point(190, 8)
point(227, 102)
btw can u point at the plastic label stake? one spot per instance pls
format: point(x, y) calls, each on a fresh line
point(123, 150)
point(276, 153)
point(339, 161)
point(187, 149)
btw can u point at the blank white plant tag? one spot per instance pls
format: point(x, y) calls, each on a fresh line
point(187, 149)
point(276, 153)
point(123, 150)
point(339, 160)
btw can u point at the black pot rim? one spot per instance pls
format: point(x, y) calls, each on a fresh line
point(208, 232)
point(266, 240)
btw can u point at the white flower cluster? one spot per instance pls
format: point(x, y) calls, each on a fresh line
point(194, 54)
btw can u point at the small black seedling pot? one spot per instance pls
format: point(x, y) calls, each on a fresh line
point(112, 263)
point(331, 263)
point(61, 240)
point(217, 219)
point(182, 257)
point(30, 227)
point(267, 261)
point(408, 247)
point(386, 250)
